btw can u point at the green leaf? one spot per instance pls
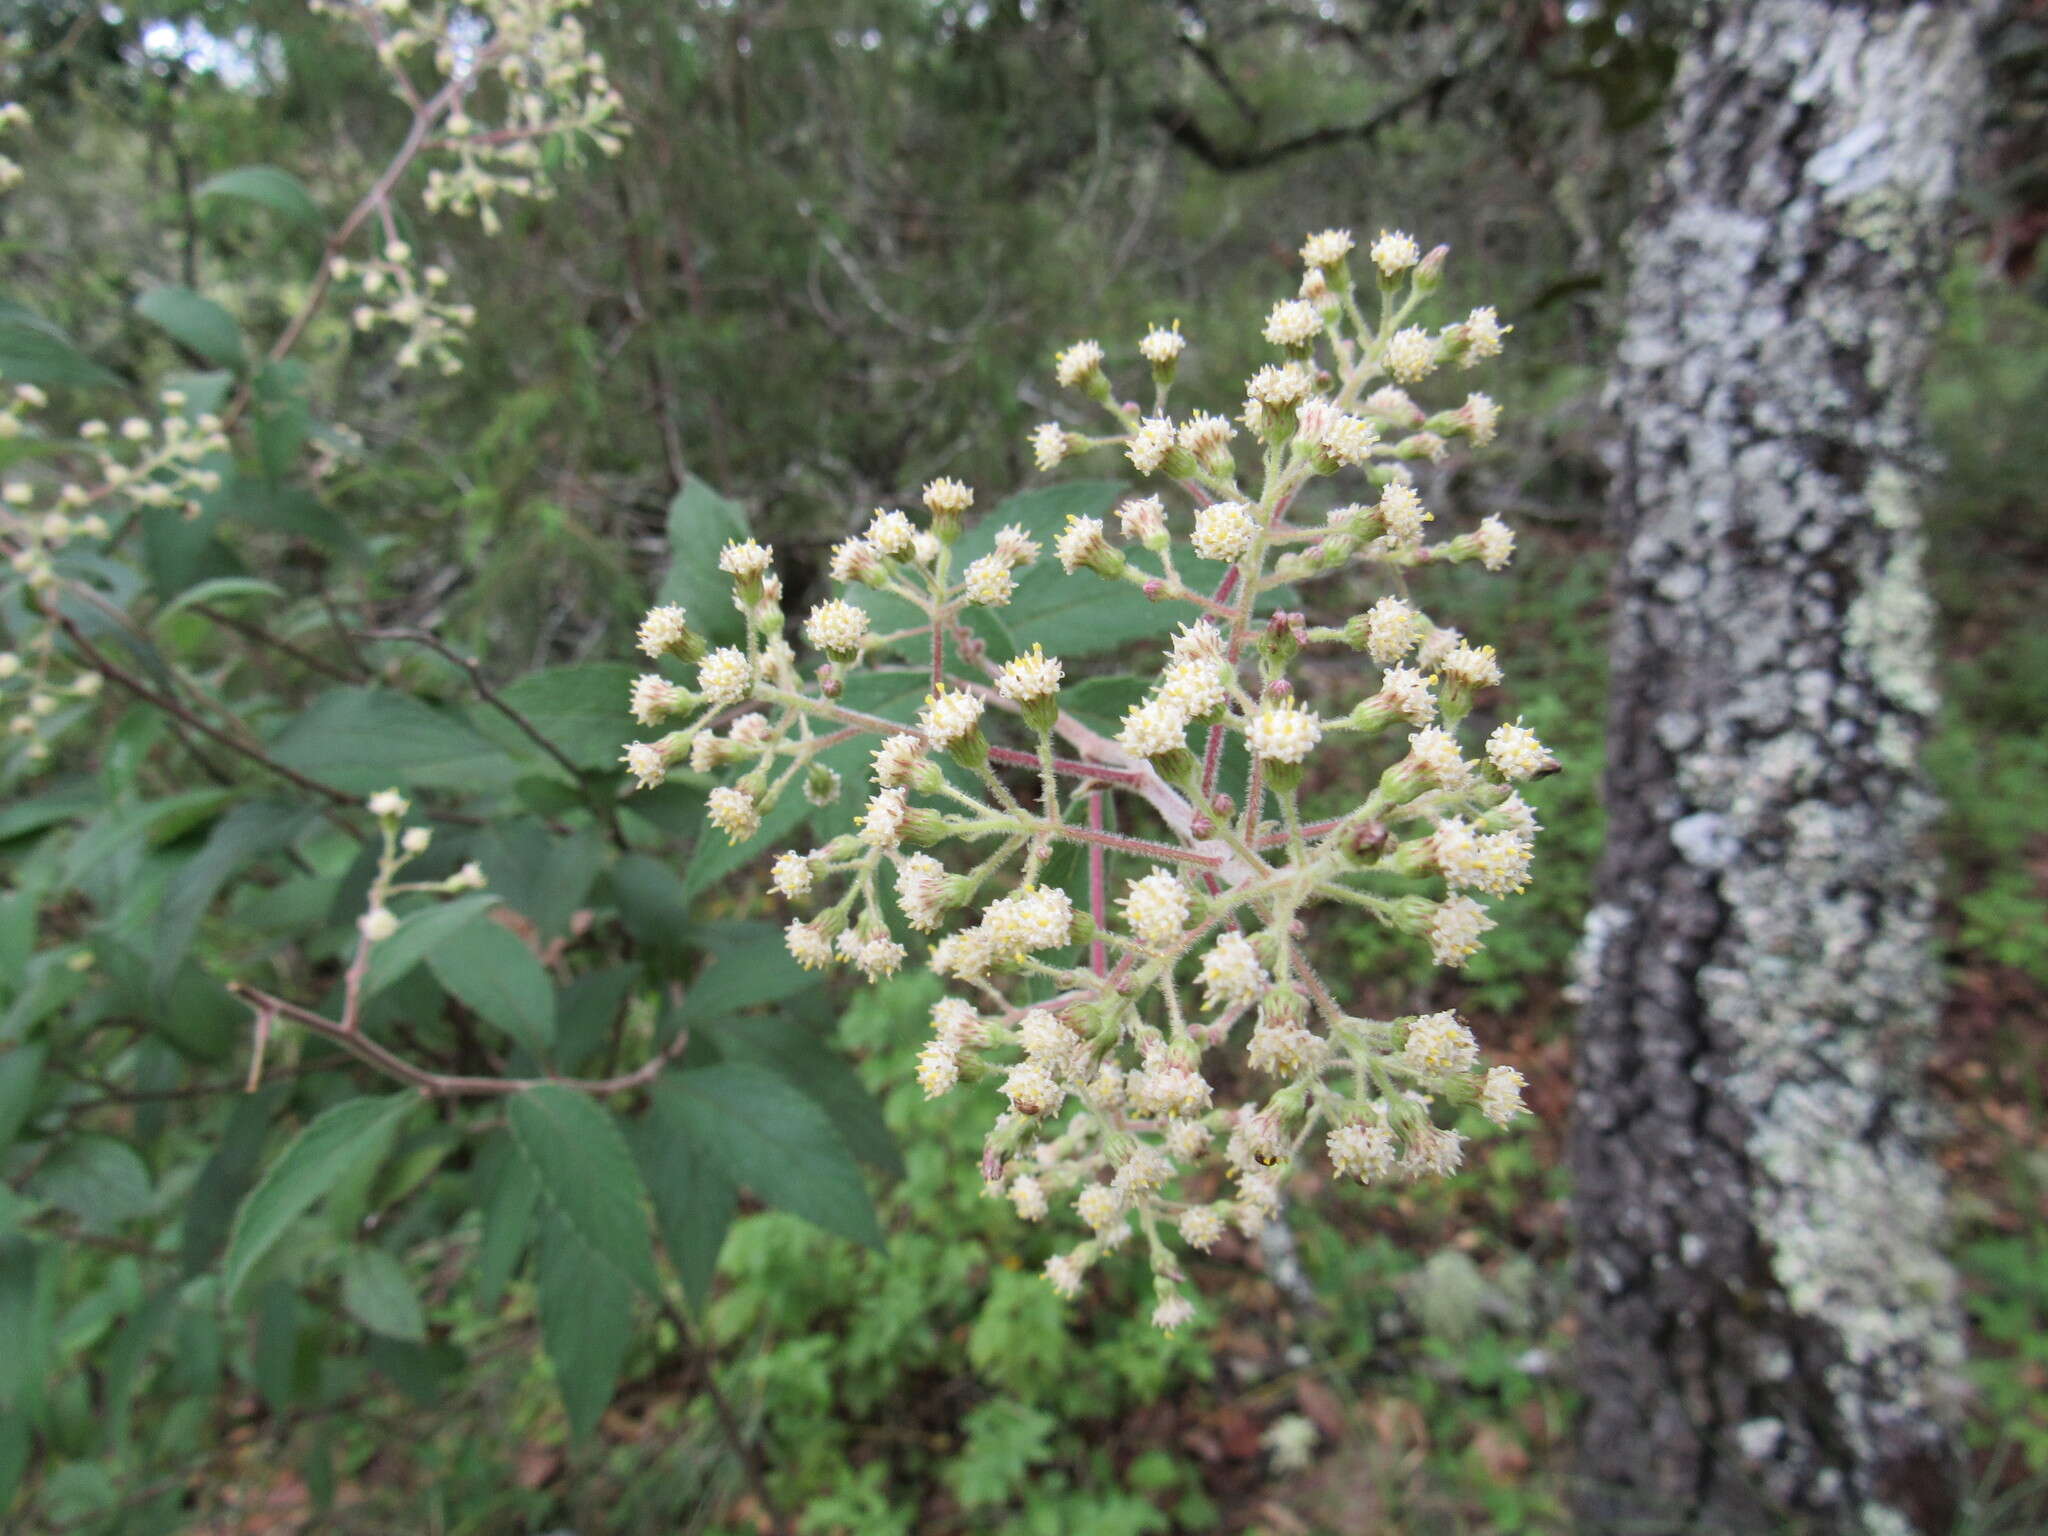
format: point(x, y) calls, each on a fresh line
point(700, 521)
point(714, 857)
point(809, 1064)
point(210, 1209)
point(341, 1140)
point(508, 1222)
point(266, 185)
point(14, 1449)
point(19, 1366)
point(546, 875)
point(586, 1320)
point(776, 1142)
point(379, 1294)
point(193, 321)
point(98, 1179)
point(499, 978)
point(586, 1011)
point(694, 1196)
point(748, 968)
point(366, 739)
point(420, 935)
point(583, 710)
point(587, 1176)
point(20, 1070)
point(220, 589)
point(249, 831)
point(33, 351)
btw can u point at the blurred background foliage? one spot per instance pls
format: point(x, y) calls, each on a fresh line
point(833, 262)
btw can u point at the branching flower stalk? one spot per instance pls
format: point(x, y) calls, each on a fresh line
point(1104, 1029)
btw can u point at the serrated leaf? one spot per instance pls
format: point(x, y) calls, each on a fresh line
point(100, 1180)
point(587, 1175)
point(508, 1223)
point(420, 934)
point(365, 739)
point(218, 1191)
point(21, 1069)
point(583, 710)
point(700, 521)
point(277, 190)
point(694, 1196)
point(545, 875)
point(33, 351)
point(339, 1141)
point(772, 1140)
point(379, 1294)
point(498, 977)
point(750, 967)
point(247, 832)
point(220, 589)
point(193, 321)
point(19, 1366)
point(586, 1320)
point(810, 1065)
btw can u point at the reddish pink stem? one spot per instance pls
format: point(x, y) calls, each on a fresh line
point(1098, 953)
point(1143, 847)
point(1313, 829)
point(1073, 767)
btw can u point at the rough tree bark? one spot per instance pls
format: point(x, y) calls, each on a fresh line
point(1769, 1328)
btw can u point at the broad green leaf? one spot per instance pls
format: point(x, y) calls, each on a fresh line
point(123, 1361)
point(582, 710)
point(339, 1141)
point(700, 521)
point(366, 739)
point(751, 967)
point(499, 978)
point(33, 351)
point(545, 875)
point(260, 502)
point(193, 321)
point(379, 1294)
point(653, 902)
point(284, 1371)
point(20, 1070)
point(247, 832)
point(101, 1181)
point(811, 1065)
point(424, 931)
point(715, 857)
point(14, 1449)
point(281, 414)
point(586, 1320)
point(20, 1369)
point(508, 1223)
point(279, 191)
point(222, 589)
point(774, 1141)
point(587, 1176)
point(133, 826)
point(218, 1191)
point(586, 1011)
point(66, 802)
point(694, 1196)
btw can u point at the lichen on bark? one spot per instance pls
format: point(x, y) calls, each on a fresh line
point(1769, 1326)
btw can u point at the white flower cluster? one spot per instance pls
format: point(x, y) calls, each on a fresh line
point(65, 497)
point(12, 115)
point(392, 289)
point(1099, 1024)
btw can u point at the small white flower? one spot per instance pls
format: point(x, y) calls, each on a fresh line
point(1406, 691)
point(1065, 1272)
point(1048, 445)
point(1496, 541)
point(389, 803)
point(938, 1067)
point(1395, 252)
point(1028, 1196)
point(1035, 918)
point(1433, 1150)
point(1391, 630)
point(1437, 1042)
point(647, 762)
point(898, 759)
point(988, 582)
point(744, 559)
point(1224, 530)
point(1411, 354)
point(1206, 437)
point(948, 717)
point(921, 891)
point(654, 698)
point(1079, 542)
point(1142, 518)
point(855, 559)
point(1162, 346)
point(1500, 1096)
point(1483, 334)
point(1034, 675)
point(1480, 416)
point(837, 626)
point(734, 813)
point(1015, 546)
point(377, 924)
point(1293, 323)
point(1278, 385)
point(1402, 511)
point(878, 956)
point(808, 945)
point(947, 497)
point(1456, 929)
point(416, 840)
point(1075, 365)
point(1150, 444)
point(881, 824)
point(1362, 1152)
point(1283, 732)
point(1475, 666)
point(1156, 907)
point(1154, 728)
point(892, 533)
point(725, 676)
point(1194, 687)
point(1514, 750)
point(1200, 1227)
point(1327, 248)
point(793, 874)
point(1231, 975)
point(1032, 1091)
point(1100, 1206)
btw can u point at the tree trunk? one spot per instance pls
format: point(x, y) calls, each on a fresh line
point(1769, 1328)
